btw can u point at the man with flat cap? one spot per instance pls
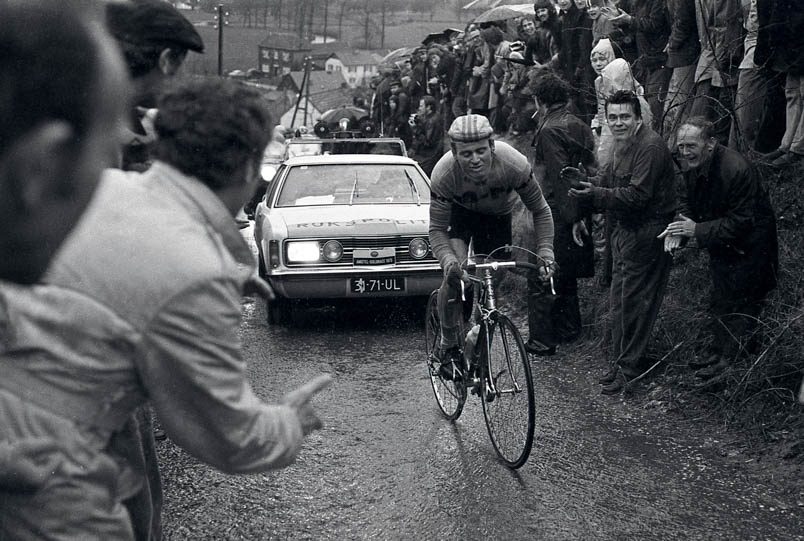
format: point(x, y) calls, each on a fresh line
point(474, 190)
point(155, 39)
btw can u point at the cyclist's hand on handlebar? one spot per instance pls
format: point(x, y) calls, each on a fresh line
point(547, 271)
point(454, 274)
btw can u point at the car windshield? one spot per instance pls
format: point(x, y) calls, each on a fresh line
point(353, 184)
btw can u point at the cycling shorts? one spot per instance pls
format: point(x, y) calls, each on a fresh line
point(487, 231)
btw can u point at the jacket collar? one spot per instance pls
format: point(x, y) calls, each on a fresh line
point(205, 207)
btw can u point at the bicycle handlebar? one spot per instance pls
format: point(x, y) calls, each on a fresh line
point(496, 265)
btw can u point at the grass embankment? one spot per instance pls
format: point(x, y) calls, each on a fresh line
point(756, 395)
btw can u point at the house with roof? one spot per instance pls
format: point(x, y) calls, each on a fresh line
point(357, 66)
point(282, 52)
point(327, 90)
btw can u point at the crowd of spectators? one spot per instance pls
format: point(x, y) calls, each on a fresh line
point(737, 63)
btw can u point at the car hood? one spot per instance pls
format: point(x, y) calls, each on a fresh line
point(355, 220)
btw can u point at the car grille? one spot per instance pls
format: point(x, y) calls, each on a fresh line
point(400, 244)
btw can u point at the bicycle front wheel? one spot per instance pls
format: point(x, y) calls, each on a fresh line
point(508, 400)
point(450, 395)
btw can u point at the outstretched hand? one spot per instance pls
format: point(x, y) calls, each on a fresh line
point(299, 399)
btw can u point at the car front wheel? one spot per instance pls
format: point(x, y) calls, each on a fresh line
point(279, 311)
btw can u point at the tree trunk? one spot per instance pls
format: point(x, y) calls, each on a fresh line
point(340, 19)
point(326, 13)
point(366, 26)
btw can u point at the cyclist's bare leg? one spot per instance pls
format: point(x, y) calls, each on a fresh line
point(450, 313)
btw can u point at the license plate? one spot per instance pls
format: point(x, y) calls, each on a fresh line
point(366, 285)
point(374, 256)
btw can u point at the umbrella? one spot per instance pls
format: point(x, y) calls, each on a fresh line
point(501, 13)
point(440, 37)
point(396, 55)
point(350, 112)
point(487, 4)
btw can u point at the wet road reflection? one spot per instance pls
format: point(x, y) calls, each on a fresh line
point(388, 466)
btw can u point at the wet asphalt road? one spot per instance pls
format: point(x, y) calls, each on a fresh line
point(388, 466)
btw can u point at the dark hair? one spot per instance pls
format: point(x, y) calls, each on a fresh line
point(622, 97)
point(492, 35)
point(143, 59)
point(706, 126)
point(429, 101)
point(49, 67)
point(549, 89)
point(209, 128)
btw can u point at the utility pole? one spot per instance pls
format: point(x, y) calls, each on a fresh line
point(382, 36)
point(221, 19)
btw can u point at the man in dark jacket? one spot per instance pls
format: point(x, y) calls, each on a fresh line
point(428, 135)
point(638, 192)
point(651, 22)
point(561, 140)
point(683, 48)
point(573, 57)
point(724, 206)
point(780, 45)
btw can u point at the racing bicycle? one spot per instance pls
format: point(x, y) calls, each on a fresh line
point(497, 369)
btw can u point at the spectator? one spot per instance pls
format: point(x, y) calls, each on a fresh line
point(115, 341)
point(683, 48)
point(155, 39)
point(601, 56)
point(518, 100)
point(562, 140)
point(638, 191)
point(541, 46)
point(573, 57)
point(600, 11)
point(725, 208)
point(58, 122)
point(780, 45)
point(477, 64)
point(719, 25)
point(428, 134)
point(460, 76)
point(499, 49)
point(755, 85)
point(617, 75)
point(651, 25)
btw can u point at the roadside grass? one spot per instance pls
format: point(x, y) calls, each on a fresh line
point(756, 396)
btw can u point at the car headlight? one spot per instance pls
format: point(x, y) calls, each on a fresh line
point(418, 248)
point(303, 252)
point(333, 251)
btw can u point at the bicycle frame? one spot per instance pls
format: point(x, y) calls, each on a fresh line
point(486, 303)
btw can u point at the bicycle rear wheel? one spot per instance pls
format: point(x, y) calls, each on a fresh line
point(508, 400)
point(450, 395)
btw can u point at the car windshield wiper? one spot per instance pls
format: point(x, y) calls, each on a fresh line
point(413, 189)
point(354, 190)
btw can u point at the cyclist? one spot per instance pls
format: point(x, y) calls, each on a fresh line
point(474, 189)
